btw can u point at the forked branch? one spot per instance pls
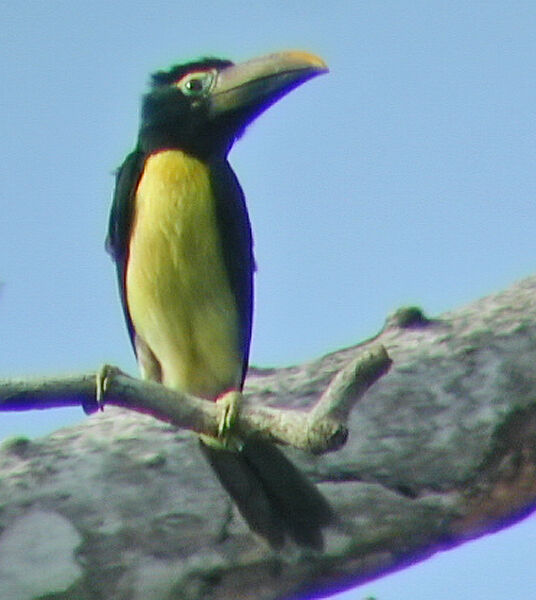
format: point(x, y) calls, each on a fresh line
point(321, 429)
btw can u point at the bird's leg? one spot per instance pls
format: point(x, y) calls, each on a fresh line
point(229, 405)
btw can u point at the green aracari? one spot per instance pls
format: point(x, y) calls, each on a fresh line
point(180, 236)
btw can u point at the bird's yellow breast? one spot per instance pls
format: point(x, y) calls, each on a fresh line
point(177, 287)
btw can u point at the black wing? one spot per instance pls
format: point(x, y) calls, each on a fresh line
point(121, 215)
point(237, 245)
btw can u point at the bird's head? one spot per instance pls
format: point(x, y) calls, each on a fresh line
point(203, 106)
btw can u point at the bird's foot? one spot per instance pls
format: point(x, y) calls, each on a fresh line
point(102, 381)
point(229, 405)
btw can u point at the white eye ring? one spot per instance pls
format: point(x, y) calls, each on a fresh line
point(196, 84)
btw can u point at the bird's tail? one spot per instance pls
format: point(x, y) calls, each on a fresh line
point(272, 495)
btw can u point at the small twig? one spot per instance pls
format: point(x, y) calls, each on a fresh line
point(350, 384)
point(321, 429)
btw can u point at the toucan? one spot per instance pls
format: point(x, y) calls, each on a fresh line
point(181, 239)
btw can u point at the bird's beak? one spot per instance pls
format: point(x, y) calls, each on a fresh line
point(248, 89)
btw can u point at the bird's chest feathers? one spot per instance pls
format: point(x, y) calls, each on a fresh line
point(175, 213)
point(178, 289)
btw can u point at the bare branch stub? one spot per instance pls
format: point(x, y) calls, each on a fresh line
point(350, 384)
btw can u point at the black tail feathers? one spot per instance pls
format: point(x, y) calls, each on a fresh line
point(272, 495)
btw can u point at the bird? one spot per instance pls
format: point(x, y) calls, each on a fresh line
point(181, 239)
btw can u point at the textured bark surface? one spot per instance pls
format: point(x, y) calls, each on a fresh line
point(442, 449)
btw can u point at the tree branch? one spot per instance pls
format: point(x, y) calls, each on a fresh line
point(321, 429)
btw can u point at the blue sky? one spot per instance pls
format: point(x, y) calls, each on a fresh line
point(406, 175)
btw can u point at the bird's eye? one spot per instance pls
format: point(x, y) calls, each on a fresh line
point(196, 84)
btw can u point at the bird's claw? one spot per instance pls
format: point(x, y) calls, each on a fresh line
point(104, 374)
point(229, 406)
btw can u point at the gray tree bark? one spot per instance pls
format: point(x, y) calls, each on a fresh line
point(441, 450)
